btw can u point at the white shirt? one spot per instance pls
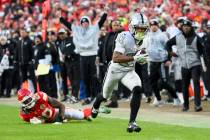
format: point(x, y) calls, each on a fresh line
point(125, 44)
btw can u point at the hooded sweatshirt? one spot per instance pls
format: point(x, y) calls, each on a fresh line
point(86, 39)
point(154, 42)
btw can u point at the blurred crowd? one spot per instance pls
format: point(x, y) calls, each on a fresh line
point(22, 45)
point(15, 14)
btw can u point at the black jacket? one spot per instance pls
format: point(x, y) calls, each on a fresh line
point(54, 52)
point(9, 49)
point(109, 46)
point(24, 51)
point(40, 51)
point(67, 48)
point(206, 41)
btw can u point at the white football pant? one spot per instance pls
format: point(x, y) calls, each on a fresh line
point(128, 78)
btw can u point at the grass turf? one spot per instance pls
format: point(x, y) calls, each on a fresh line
point(12, 128)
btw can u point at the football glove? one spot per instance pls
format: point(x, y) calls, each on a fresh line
point(36, 120)
point(141, 58)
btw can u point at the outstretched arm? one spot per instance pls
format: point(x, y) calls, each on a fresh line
point(66, 23)
point(55, 103)
point(104, 16)
point(102, 20)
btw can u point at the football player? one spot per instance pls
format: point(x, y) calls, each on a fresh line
point(121, 67)
point(39, 108)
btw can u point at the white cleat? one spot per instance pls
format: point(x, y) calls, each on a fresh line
point(177, 102)
point(157, 103)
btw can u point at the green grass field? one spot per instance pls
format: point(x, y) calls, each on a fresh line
point(12, 128)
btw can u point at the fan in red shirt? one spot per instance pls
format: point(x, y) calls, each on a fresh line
point(40, 108)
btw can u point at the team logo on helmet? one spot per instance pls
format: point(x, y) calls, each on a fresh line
point(138, 21)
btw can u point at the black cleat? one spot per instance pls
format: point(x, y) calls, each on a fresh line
point(112, 104)
point(94, 113)
point(198, 108)
point(185, 109)
point(148, 100)
point(133, 127)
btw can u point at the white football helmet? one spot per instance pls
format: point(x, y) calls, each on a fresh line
point(138, 26)
point(138, 20)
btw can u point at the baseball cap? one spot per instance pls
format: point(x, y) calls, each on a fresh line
point(187, 22)
point(51, 33)
point(180, 19)
point(62, 30)
point(154, 22)
point(84, 20)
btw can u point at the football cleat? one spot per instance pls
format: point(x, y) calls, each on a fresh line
point(133, 127)
point(94, 113)
point(104, 110)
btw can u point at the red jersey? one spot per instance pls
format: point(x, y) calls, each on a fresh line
point(42, 109)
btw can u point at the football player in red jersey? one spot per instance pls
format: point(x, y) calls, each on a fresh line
point(40, 108)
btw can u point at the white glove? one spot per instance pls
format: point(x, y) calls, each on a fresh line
point(57, 123)
point(141, 58)
point(35, 120)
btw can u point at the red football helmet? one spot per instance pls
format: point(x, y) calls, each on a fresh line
point(26, 98)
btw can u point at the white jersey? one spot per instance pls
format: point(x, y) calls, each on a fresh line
point(125, 44)
point(123, 72)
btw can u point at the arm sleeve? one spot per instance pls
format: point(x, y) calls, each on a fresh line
point(102, 20)
point(66, 23)
point(200, 46)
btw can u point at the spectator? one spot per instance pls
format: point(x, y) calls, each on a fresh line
point(189, 49)
point(155, 43)
point(85, 38)
point(6, 71)
point(41, 56)
point(71, 64)
point(24, 55)
point(53, 50)
point(206, 39)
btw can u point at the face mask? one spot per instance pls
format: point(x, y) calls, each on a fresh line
point(139, 36)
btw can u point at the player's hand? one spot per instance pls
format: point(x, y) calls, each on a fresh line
point(167, 63)
point(141, 58)
point(61, 118)
point(35, 120)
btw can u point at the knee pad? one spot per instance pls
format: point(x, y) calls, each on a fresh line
point(137, 90)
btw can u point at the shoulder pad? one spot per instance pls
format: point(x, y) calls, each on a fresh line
point(121, 37)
